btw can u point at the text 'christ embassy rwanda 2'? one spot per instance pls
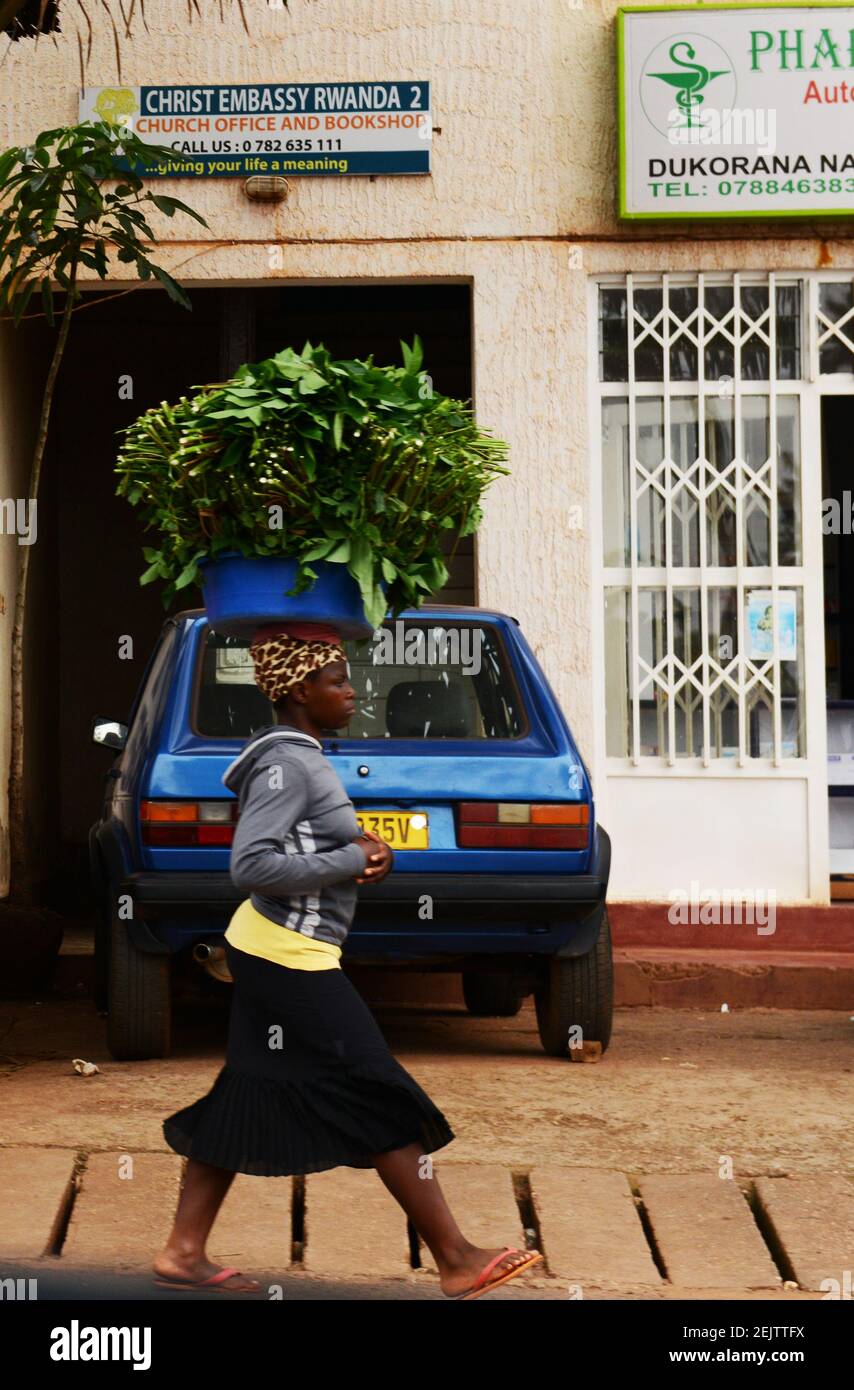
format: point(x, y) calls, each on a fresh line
point(736, 112)
point(312, 128)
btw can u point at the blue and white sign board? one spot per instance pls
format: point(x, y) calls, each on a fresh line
point(294, 128)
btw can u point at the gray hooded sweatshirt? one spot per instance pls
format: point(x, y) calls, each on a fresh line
point(292, 850)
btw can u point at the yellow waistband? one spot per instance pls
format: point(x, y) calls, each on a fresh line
point(256, 934)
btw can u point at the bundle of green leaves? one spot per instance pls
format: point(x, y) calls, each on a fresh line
point(313, 458)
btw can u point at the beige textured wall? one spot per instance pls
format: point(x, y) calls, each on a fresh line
point(523, 92)
point(521, 203)
point(517, 151)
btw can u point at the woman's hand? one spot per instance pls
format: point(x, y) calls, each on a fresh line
point(380, 857)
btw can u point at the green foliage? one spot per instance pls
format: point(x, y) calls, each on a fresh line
point(313, 458)
point(55, 216)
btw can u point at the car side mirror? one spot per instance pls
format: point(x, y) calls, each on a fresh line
point(109, 733)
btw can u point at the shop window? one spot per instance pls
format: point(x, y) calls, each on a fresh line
point(675, 697)
point(836, 327)
point(733, 322)
point(701, 494)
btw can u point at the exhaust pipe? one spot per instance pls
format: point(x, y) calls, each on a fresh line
point(212, 956)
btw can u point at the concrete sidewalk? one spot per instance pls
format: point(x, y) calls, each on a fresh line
point(706, 1155)
point(603, 1234)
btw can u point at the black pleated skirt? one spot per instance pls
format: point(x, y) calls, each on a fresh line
point(308, 1082)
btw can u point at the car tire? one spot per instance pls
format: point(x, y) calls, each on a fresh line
point(491, 995)
point(578, 992)
point(139, 1017)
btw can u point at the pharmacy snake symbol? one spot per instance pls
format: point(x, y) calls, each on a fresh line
point(690, 82)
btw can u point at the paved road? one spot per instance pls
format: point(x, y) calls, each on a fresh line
point(707, 1156)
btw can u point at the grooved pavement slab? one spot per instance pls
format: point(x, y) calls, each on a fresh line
point(481, 1198)
point(813, 1219)
point(121, 1222)
point(33, 1183)
point(353, 1225)
point(591, 1231)
point(705, 1232)
point(253, 1226)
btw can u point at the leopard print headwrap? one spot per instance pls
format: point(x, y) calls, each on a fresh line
point(281, 660)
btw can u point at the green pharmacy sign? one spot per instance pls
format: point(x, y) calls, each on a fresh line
point(733, 110)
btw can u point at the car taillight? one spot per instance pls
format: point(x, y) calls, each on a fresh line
point(523, 825)
point(185, 823)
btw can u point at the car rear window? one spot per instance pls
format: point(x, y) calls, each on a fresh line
point(423, 679)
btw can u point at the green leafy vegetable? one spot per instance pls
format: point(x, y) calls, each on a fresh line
point(313, 458)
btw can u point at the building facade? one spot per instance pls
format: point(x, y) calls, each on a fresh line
point(676, 395)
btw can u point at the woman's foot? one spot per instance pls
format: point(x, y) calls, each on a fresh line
point(195, 1268)
point(458, 1275)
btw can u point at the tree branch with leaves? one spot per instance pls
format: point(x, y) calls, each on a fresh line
point(56, 216)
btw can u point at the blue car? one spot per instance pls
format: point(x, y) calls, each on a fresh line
point(459, 755)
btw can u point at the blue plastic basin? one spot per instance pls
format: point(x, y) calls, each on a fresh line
point(241, 593)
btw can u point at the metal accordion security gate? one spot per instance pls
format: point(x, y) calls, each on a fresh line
point(706, 537)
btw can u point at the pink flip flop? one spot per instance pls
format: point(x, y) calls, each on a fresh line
point(214, 1282)
point(483, 1284)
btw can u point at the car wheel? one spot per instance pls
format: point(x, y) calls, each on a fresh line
point(578, 993)
point(139, 1018)
point(491, 996)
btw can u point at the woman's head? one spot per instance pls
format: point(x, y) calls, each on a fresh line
point(302, 669)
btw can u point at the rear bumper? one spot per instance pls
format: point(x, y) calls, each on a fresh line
point(409, 916)
point(489, 896)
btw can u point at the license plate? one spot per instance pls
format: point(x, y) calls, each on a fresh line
point(400, 829)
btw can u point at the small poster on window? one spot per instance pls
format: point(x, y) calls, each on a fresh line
point(234, 666)
point(760, 624)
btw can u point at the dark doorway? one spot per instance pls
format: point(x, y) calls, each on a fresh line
point(86, 594)
point(837, 419)
point(837, 428)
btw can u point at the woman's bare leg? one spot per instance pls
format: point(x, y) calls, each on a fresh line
point(458, 1261)
point(205, 1187)
point(183, 1255)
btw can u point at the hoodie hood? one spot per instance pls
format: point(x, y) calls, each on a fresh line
point(260, 745)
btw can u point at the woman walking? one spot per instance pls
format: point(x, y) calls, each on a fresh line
point(308, 1082)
